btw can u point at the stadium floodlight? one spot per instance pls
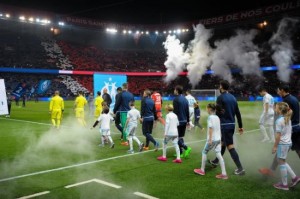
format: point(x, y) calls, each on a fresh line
point(124, 32)
point(165, 32)
point(111, 30)
point(7, 15)
point(60, 23)
point(31, 19)
point(147, 32)
point(137, 32)
point(1, 14)
point(156, 32)
point(22, 18)
point(129, 31)
point(205, 94)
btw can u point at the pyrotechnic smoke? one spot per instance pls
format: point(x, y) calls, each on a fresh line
point(199, 50)
point(282, 46)
point(177, 58)
point(238, 51)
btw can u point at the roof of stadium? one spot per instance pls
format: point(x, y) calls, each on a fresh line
point(142, 11)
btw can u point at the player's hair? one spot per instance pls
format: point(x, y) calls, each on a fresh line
point(284, 87)
point(169, 107)
point(119, 89)
point(125, 86)
point(147, 92)
point(179, 89)
point(104, 103)
point(188, 91)
point(225, 84)
point(212, 106)
point(261, 89)
point(98, 93)
point(80, 92)
point(285, 110)
point(131, 103)
point(106, 110)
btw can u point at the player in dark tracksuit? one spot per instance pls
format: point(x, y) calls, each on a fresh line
point(228, 110)
point(181, 109)
point(117, 113)
point(122, 106)
point(148, 116)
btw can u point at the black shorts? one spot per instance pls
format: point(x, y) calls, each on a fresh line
point(227, 136)
point(296, 139)
point(181, 130)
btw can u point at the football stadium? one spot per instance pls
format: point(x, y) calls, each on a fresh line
point(198, 106)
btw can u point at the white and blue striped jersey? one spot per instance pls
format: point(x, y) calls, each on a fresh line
point(191, 100)
point(268, 99)
point(213, 121)
point(284, 129)
point(171, 124)
point(133, 115)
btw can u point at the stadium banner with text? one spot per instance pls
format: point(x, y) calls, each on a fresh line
point(19, 91)
point(3, 98)
point(43, 86)
point(109, 81)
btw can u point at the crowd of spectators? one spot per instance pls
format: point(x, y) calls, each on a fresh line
point(21, 49)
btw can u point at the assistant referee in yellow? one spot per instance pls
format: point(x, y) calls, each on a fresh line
point(56, 108)
point(79, 105)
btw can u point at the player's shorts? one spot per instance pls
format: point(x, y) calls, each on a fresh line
point(104, 132)
point(169, 138)
point(227, 136)
point(191, 113)
point(296, 138)
point(181, 130)
point(268, 120)
point(131, 129)
point(282, 151)
point(79, 112)
point(97, 112)
point(56, 114)
point(216, 145)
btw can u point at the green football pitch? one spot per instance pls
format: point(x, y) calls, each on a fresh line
point(37, 161)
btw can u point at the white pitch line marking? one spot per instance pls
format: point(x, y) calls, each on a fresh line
point(94, 180)
point(78, 184)
point(26, 121)
point(144, 195)
point(35, 195)
point(107, 183)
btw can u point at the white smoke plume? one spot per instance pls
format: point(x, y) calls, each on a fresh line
point(199, 50)
point(238, 51)
point(282, 46)
point(177, 58)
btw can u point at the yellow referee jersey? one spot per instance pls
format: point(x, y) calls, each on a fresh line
point(56, 102)
point(98, 102)
point(80, 101)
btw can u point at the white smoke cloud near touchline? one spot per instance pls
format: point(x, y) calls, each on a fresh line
point(282, 46)
point(199, 50)
point(177, 58)
point(238, 51)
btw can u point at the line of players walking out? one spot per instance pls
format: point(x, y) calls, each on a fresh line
point(284, 133)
